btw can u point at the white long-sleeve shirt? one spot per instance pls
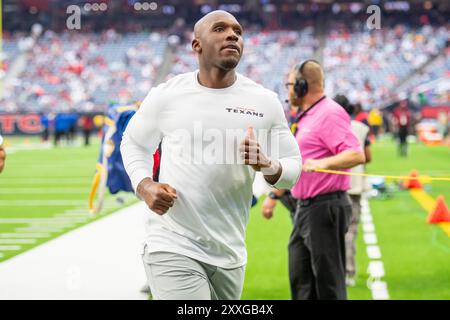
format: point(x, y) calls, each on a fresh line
point(201, 130)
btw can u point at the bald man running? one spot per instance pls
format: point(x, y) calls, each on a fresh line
point(324, 134)
point(217, 128)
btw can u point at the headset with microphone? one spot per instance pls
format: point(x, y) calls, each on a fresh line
point(301, 85)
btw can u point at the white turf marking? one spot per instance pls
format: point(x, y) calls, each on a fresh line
point(75, 212)
point(43, 191)
point(43, 227)
point(40, 166)
point(379, 290)
point(46, 180)
point(28, 147)
point(368, 227)
point(41, 220)
point(365, 218)
point(17, 241)
point(365, 210)
point(39, 230)
point(10, 248)
point(24, 235)
point(370, 238)
point(373, 252)
point(375, 269)
point(84, 216)
point(77, 265)
point(31, 203)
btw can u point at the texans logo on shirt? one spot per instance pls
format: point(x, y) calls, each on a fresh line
point(245, 111)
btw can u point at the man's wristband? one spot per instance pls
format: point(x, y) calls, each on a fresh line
point(273, 195)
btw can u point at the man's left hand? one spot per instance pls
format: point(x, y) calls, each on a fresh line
point(251, 152)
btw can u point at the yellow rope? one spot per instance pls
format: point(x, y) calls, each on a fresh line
point(384, 176)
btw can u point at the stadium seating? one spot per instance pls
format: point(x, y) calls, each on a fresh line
point(365, 65)
point(86, 71)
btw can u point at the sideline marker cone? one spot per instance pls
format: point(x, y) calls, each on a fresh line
point(413, 183)
point(440, 213)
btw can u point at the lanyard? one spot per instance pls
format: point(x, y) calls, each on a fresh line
point(294, 126)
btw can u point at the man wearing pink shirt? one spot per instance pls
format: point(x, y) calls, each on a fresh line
point(317, 243)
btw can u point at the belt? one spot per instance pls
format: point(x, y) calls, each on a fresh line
point(322, 197)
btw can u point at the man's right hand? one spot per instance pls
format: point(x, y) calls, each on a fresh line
point(268, 207)
point(159, 197)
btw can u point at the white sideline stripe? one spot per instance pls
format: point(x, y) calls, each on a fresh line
point(82, 217)
point(375, 269)
point(49, 180)
point(365, 211)
point(75, 212)
point(27, 178)
point(61, 221)
point(17, 241)
point(73, 163)
point(366, 218)
point(54, 226)
point(10, 248)
point(43, 191)
point(24, 235)
point(12, 150)
point(26, 147)
point(368, 227)
point(77, 265)
point(27, 203)
point(373, 252)
point(40, 230)
point(41, 220)
point(379, 290)
point(37, 184)
point(370, 238)
point(85, 215)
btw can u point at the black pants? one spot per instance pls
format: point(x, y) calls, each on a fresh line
point(87, 136)
point(403, 142)
point(317, 248)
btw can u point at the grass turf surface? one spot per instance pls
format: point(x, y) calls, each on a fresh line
point(51, 184)
point(416, 255)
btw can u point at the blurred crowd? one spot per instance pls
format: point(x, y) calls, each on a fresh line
point(367, 65)
point(85, 72)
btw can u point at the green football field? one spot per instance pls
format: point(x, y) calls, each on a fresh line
point(43, 194)
point(416, 256)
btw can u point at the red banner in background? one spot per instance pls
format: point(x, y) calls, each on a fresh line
point(433, 112)
point(20, 124)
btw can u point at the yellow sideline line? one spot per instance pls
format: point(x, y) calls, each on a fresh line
point(427, 202)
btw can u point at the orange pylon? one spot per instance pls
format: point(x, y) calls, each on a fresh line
point(412, 183)
point(440, 213)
